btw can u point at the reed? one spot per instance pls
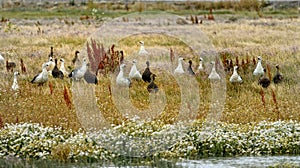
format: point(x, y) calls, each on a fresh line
point(67, 97)
point(263, 100)
point(51, 87)
point(276, 108)
point(1, 122)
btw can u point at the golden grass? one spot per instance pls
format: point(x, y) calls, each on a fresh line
point(276, 40)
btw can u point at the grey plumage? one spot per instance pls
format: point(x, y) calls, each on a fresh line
point(78, 73)
point(42, 77)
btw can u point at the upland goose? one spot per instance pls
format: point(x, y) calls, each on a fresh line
point(15, 85)
point(278, 76)
point(200, 67)
point(134, 73)
point(259, 70)
point(264, 81)
point(78, 73)
point(42, 77)
point(235, 77)
point(121, 80)
point(147, 73)
point(62, 67)
point(179, 69)
point(213, 74)
point(152, 87)
point(190, 69)
point(56, 73)
point(142, 49)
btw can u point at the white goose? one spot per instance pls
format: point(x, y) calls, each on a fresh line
point(62, 67)
point(42, 77)
point(213, 74)
point(179, 69)
point(259, 70)
point(1, 59)
point(121, 80)
point(51, 65)
point(142, 49)
point(235, 77)
point(15, 85)
point(134, 73)
point(78, 73)
point(200, 68)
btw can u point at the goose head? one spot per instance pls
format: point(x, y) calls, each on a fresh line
point(122, 66)
point(147, 63)
point(236, 67)
point(277, 66)
point(61, 60)
point(180, 59)
point(259, 58)
point(134, 61)
point(84, 61)
point(200, 59)
point(141, 42)
point(45, 65)
point(190, 62)
point(16, 73)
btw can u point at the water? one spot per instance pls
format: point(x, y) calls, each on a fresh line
point(224, 162)
point(236, 162)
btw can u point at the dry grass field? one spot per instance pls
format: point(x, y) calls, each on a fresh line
point(276, 40)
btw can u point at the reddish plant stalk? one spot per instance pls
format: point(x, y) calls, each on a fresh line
point(51, 87)
point(262, 93)
point(67, 97)
point(276, 104)
point(1, 122)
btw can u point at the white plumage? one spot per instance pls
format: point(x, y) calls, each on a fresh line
point(78, 73)
point(235, 77)
point(51, 65)
point(259, 70)
point(1, 59)
point(142, 49)
point(43, 76)
point(179, 69)
point(15, 85)
point(200, 68)
point(121, 80)
point(62, 67)
point(134, 73)
point(213, 74)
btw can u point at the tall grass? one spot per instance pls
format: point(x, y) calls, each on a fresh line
point(275, 40)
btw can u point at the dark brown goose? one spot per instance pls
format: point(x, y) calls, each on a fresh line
point(264, 81)
point(51, 52)
point(152, 87)
point(75, 58)
point(147, 73)
point(56, 73)
point(278, 76)
point(10, 66)
point(190, 69)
